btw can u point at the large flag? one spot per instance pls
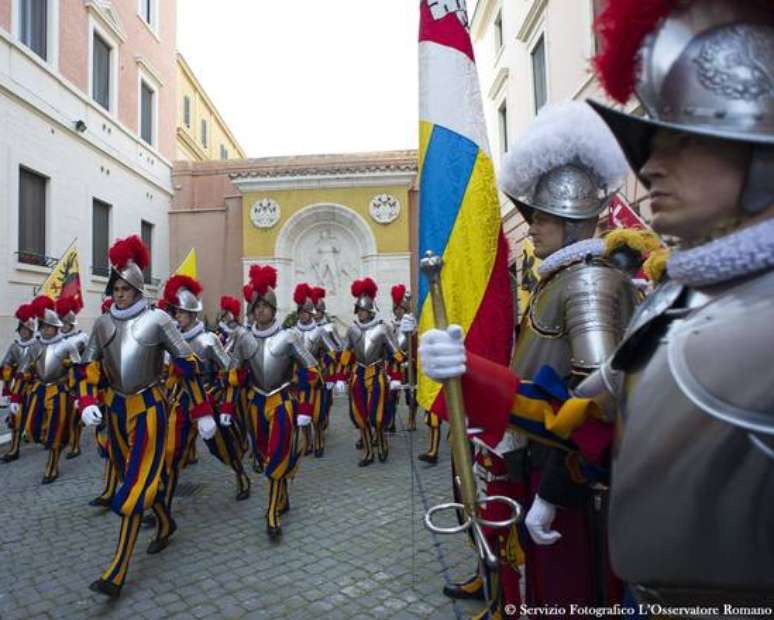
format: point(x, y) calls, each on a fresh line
point(188, 266)
point(65, 279)
point(621, 215)
point(459, 210)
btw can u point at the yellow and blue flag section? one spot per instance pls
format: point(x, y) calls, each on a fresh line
point(188, 266)
point(65, 279)
point(459, 209)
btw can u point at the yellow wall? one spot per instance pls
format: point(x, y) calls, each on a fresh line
point(201, 108)
point(393, 237)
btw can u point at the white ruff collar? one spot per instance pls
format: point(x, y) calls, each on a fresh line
point(75, 332)
point(24, 343)
point(269, 331)
point(739, 254)
point(370, 323)
point(225, 328)
point(128, 313)
point(306, 328)
point(53, 340)
point(192, 333)
point(571, 254)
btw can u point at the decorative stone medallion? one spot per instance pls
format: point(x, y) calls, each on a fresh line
point(265, 213)
point(384, 208)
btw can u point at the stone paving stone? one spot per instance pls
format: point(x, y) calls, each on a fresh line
point(354, 544)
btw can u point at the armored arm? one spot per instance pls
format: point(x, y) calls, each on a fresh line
point(7, 369)
point(89, 370)
point(598, 303)
point(396, 356)
point(236, 375)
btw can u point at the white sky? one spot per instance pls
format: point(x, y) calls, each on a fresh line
point(307, 76)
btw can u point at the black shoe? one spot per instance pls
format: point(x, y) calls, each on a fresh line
point(428, 458)
point(49, 479)
point(257, 467)
point(73, 455)
point(319, 452)
point(159, 544)
point(244, 491)
point(308, 450)
point(391, 428)
point(365, 462)
point(470, 589)
point(101, 502)
point(106, 588)
point(359, 444)
point(192, 461)
point(9, 458)
point(275, 533)
point(149, 521)
point(384, 451)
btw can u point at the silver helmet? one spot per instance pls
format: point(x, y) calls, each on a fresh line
point(261, 287)
point(26, 317)
point(707, 68)
point(303, 297)
point(566, 163)
point(128, 258)
point(50, 317)
point(44, 309)
point(364, 291)
point(182, 292)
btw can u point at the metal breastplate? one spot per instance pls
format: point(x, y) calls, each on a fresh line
point(212, 357)
point(49, 365)
point(692, 503)
point(271, 364)
point(79, 339)
point(331, 337)
point(401, 337)
point(311, 339)
point(18, 355)
point(132, 350)
point(368, 344)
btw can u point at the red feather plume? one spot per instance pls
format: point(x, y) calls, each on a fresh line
point(398, 292)
point(130, 249)
point(42, 303)
point(263, 277)
point(230, 304)
point(65, 305)
point(318, 293)
point(163, 304)
point(247, 292)
point(175, 283)
point(25, 313)
point(107, 303)
point(302, 293)
point(366, 286)
point(623, 26)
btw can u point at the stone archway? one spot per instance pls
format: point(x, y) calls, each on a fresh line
point(325, 245)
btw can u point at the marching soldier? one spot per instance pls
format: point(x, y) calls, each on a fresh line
point(370, 353)
point(127, 347)
point(263, 364)
point(46, 378)
point(561, 175)
point(67, 308)
point(15, 358)
point(329, 359)
point(223, 441)
point(404, 326)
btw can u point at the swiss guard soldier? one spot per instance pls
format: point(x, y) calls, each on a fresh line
point(404, 325)
point(329, 360)
point(127, 347)
point(371, 352)
point(693, 474)
point(46, 379)
point(14, 359)
point(561, 175)
point(264, 360)
point(223, 440)
point(67, 308)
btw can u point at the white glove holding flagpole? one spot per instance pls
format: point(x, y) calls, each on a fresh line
point(91, 415)
point(442, 353)
point(395, 385)
point(408, 324)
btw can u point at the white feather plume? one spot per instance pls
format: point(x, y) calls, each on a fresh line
point(562, 133)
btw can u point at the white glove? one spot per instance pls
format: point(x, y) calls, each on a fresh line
point(329, 385)
point(341, 387)
point(395, 385)
point(206, 427)
point(442, 353)
point(408, 324)
point(13, 408)
point(304, 420)
point(539, 519)
point(91, 415)
point(225, 419)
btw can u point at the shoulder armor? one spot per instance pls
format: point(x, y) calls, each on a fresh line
point(246, 345)
point(104, 329)
point(546, 314)
point(147, 327)
point(720, 357)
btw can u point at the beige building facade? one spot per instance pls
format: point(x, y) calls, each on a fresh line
point(201, 133)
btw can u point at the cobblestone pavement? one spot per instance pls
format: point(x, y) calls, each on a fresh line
point(354, 544)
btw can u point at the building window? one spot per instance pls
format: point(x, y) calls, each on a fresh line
point(100, 67)
point(187, 111)
point(147, 11)
point(539, 82)
point(502, 123)
point(147, 97)
point(100, 237)
point(223, 152)
point(32, 217)
point(146, 234)
point(204, 133)
point(597, 6)
point(498, 31)
point(33, 26)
